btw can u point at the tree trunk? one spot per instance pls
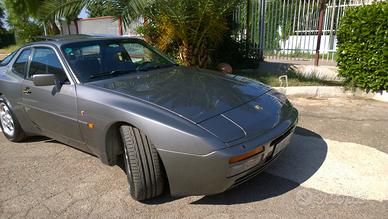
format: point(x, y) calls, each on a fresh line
point(185, 54)
point(53, 28)
point(194, 56)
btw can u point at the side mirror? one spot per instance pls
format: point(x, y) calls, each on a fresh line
point(44, 79)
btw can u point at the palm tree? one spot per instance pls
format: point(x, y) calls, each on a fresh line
point(194, 27)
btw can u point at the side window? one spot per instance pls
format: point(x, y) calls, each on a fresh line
point(46, 61)
point(20, 65)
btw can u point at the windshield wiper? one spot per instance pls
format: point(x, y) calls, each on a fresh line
point(111, 73)
point(148, 67)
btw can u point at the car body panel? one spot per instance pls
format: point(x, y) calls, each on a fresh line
point(45, 105)
point(98, 109)
point(260, 115)
point(196, 119)
point(207, 174)
point(223, 128)
point(192, 93)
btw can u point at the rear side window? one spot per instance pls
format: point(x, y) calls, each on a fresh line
point(20, 65)
point(46, 61)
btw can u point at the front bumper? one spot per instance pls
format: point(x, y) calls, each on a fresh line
point(211, 174)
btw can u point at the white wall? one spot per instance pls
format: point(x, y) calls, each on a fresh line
point(100, 26)
point(308, 43)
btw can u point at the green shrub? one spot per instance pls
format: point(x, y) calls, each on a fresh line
point(363, 46)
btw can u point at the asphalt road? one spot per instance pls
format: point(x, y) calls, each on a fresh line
point(335, 167)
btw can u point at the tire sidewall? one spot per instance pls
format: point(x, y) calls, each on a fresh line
point(129, 173)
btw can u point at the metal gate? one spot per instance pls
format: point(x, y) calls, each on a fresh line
point(289, 29)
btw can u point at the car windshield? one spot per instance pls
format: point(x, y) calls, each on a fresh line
point(96, 60)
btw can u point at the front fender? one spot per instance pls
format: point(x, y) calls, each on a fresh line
point(166, 130)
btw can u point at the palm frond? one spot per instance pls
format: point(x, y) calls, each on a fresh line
point(128, 10)
point(57, 9)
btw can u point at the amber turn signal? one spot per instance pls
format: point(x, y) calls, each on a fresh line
point(90, 125)
point(247, 155)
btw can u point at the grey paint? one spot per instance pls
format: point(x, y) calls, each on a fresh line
point(192, 93)
point(197, 119)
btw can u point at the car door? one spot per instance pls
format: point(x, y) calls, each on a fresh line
point(15, 74)
point(53, 110)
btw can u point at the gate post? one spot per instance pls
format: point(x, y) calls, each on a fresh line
point(262, 30)
point(120, 27)
point(322, 7)
point(248, 35)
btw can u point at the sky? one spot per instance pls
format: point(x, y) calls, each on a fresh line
point(83, 14)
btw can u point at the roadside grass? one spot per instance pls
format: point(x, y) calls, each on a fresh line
point(304, 55)
point(7, 50)
point(294, 79)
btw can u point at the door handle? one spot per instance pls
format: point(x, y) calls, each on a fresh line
point(26, 91)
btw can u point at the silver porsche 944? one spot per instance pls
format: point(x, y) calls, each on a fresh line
point(194, 131)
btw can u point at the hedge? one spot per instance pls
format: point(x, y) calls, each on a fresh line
point(363, 46)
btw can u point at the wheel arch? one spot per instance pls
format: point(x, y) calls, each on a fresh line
point(113, 143)
point(114, 147)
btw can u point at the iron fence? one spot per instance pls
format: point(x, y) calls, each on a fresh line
point(289, 29)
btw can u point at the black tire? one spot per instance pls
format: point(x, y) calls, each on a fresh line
point(142, 164)
point(18, 134)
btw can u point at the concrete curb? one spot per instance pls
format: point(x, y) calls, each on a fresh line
point(381, 96)
point(330, 91)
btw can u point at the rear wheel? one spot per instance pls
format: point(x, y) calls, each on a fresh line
point(142, 164)
point(9, 123)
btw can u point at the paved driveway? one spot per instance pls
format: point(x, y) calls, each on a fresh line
point(336, 166)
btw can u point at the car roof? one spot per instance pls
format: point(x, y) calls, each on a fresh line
point(65, 39)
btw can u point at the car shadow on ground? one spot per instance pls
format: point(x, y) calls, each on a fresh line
point(302, 158)
point(33, 139)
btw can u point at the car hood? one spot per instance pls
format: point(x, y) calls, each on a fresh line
point(257, 117)
point(195, 94)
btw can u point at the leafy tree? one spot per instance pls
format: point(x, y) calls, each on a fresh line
point(2, 16)
point(20, 20)
point(6, 37)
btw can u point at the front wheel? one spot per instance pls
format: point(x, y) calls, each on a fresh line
point(142, 164)
point(9, 123)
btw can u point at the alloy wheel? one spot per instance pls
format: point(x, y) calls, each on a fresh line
point(6, 120)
